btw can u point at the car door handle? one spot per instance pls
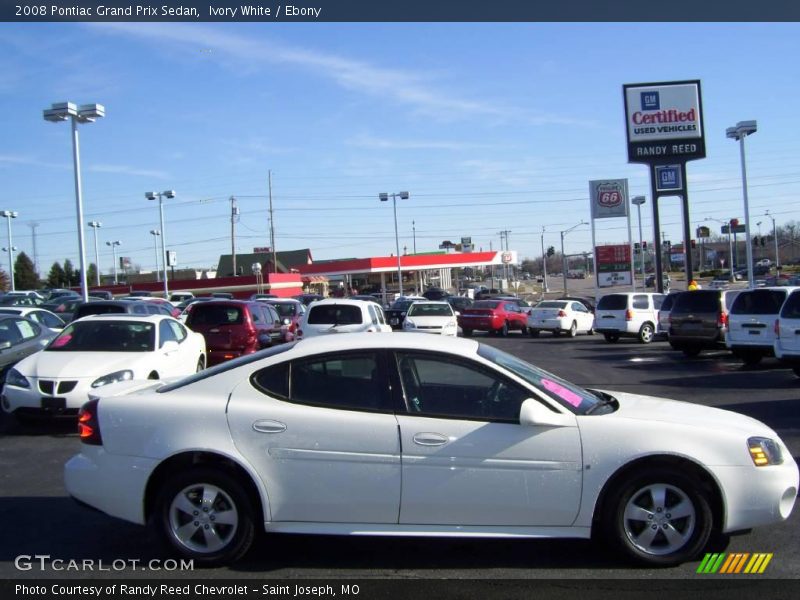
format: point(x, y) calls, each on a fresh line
point(430, 439)
point(269, 426)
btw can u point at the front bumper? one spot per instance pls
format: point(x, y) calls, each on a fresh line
point(33, 400)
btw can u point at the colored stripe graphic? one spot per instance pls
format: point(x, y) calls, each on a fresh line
point(734, 563)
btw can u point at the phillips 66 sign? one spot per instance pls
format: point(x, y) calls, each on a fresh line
point(609, 198)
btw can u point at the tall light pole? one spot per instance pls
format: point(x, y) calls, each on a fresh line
point(638, 201)
point(544, 265)
point(563, 256)
point(729, 225)
point(775, 235)
point(96, 225)
point(156, 234)
point(114, 245)
point(384, 197)
point(739, 132)
point(10, 214)
point(86, 113)
point(161, 196)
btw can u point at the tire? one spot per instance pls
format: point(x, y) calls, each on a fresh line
point(524, 330)
point(796, 371)
point(153, 375)
point(201, 363)
point(646, 333)
point(573, 330)
point(556, 333)
point(612, 338)
point(466, 332)
point(503, 331)
point(751, 359)
point(691, 351)
point(184, 492)
point(533, 332)
point(639, 523)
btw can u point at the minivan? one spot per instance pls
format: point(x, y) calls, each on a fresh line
point(341, 315)
point(787, 332)
point(630, 314)
point(751, 323)
point(699, 319)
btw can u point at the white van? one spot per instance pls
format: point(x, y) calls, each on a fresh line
point(178, 297)
point(787, 327)
point(631, 314)
point(751, 322)
point(341, 315)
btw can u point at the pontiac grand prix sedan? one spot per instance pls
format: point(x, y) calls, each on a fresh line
point(367, 434)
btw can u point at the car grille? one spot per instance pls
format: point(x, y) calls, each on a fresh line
point(49, 387)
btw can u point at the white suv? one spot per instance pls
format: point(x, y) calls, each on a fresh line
point(751, 322)
point(340, 315)
point(630, 314)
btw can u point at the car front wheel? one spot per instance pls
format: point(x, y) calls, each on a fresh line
point(660, 518)
point(646, 333)
point(573, 330)
point(205, 515)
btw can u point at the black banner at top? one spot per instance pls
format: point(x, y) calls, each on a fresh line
point(398, 10)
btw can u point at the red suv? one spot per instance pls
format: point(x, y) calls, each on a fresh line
point(234, 328)
point(494, 316)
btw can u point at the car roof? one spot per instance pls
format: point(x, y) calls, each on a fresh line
point(123, 317)
point(349, 341)
point(348, 301)
point(280, 301)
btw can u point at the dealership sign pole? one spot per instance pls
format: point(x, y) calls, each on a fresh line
point(664, 123)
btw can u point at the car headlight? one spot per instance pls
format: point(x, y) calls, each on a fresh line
point(451, 325)
point(764, 451)
point(15, 378)
point(408, 324)
point(112, 378)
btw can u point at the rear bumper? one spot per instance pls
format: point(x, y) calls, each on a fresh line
point(479, 323)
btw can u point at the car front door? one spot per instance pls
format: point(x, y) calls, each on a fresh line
point(466, 458)
point(323, 437)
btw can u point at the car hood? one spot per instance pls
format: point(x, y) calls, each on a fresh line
point(78, 365)
point(650, 408)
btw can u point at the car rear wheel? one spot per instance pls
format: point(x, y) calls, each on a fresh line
point(646, 333)
point(659, 518)
point(533, 332)
point(691, 351)
point(751, 359)
point(573, 330)
point(466, 332)
point(503, 331)
point(611, 337)
point(205, 515)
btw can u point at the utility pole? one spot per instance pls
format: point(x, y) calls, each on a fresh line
point(544, 266)
point(272, 228)
point(33, 225)
point(234, 218)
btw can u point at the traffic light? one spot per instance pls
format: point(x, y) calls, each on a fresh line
point(755, 240)
point(763, 240)
point(693, 243)
point(644, 245)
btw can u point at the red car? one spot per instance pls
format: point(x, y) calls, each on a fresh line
point(495, 316)
point(234, 328)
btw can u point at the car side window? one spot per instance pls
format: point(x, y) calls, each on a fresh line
point(373, 315)
point(154, 309)
point(165, 333)
point(350, 381)
point(138, 309)
point(272, 314)
point(257, 315)
point(441, 386)
point(640, 301)
point(509, 307)
point(178, 329)
point(658, 301)
point(49, 320)
point(381, 316)
point(273, 381)
point(27, 329)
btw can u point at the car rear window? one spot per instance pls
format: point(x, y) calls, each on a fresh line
point(95, 309)
point(759, 302)
point(551, 304)
point(697, 301)
point(334, 314)
point(791, 308)
point(613, 302)
point(492, 304)
point(212, 316)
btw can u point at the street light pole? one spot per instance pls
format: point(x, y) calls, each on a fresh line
point(95, 225)
point(10, 214)
point(739, 132)
point(161, 196)
point(156, 233)
point(638, 201)
point(86, 113)
point(775, 235)
point(544, 265)
point(114, 245)
point(564, 257)
point(384, 197)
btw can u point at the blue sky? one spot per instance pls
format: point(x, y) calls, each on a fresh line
point(490, 127)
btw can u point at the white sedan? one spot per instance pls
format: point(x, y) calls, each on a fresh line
point(413, 435)
point(431, 317)
point(96, 351)
point(559, 316)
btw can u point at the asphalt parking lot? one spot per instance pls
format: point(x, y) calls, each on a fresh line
point(39, 519)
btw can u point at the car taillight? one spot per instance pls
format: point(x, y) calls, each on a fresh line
point(722, 319)
point(89, 424)
point(629, 315)
point(777, 328)
point(299, 333)
point(561, 313)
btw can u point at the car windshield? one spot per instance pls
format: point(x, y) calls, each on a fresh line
point(102, 335)
point(551, 304)
point(572, 397)
point(401, 304)
point(335, 314)
point(697, 302)
point(423, 309)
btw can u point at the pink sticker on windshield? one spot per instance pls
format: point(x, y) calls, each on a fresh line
point(562, 392)
point(61, 341)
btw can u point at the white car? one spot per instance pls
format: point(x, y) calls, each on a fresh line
point(628, 315)
point(428, 316)
point(414, 435)
point(41, 316)
point(750, 334)
point(342, 315)
point(98, 350)
point(556, 316)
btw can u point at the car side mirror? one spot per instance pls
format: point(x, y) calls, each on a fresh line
point(169, 346)
point(533, 413)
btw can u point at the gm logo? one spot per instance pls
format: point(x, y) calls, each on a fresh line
point(650, 101)
point(668, 178)
point(735, 563)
